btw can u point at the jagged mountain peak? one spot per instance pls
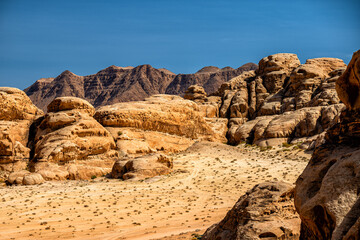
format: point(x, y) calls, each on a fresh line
point(120, 84)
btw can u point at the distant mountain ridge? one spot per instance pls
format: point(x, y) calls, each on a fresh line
point(122, 84)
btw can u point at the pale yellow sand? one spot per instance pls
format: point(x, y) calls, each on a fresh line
point(206, 182)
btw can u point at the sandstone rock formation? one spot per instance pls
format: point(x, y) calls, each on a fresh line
point(142, 167)
point(133, 141)
point(17, 113)
point(348, 85)
point(166, 114)
point(264, 212)
point(70, 144)
point(195, 93)
point(120, 84)
point(25, 177)
point(327, 192)
point(283, 101)
point(274, 70)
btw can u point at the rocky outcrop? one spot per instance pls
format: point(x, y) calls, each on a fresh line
point(166, 114)
point(195, 93)
point(348, 85)
point(142, 167)
point(70, 144)
point(283, 101)
point(274, 70)
point(327, 192)
point(15, 105)
point(122, 84)
point(17, 113)
point(307, 77)
point(134, 141)
point(264, 212)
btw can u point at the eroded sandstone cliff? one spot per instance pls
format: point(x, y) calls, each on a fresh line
point(327, 192)
point(17, 113)
point(283, 101)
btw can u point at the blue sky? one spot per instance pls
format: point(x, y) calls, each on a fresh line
point(44, 38)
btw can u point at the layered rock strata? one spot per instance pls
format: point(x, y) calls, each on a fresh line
point(171, 117)
point(70, 144)
point(122, 84)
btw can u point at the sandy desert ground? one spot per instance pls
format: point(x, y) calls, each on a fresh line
point(206, 181)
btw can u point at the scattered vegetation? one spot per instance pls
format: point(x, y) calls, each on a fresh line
point(262, 149)
point(287, 145)
point(196, 236)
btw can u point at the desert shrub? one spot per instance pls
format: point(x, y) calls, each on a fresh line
point(286, 145)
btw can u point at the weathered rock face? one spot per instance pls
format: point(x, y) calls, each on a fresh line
point(164, 113)
point(122, 84)
point(70, 143)
point(307, 77)
point(17, 113)
point(264, 212)
point(348, 85)
point(133, 141)
point(195, 93)
point(283, 101)
point(142, 167)
point(15, 105)
point(327, 192)
point(274, 69)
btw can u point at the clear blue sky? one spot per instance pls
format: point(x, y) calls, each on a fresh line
point(44, 38)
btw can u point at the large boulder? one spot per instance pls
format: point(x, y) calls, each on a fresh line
point(142, 167)
point(70, 143)
point(17, 113)
point(327, 192)
point(195, 93)
point(70, 103)
point(264, 212)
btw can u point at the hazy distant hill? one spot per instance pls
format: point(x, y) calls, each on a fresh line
point(120, 84)
point(210, 78)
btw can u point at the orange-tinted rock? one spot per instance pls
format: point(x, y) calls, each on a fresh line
point(348, 85)
point(162, 113)
point(275, 68)
point(69, 136)
point(17, 113)
point(70, 103)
